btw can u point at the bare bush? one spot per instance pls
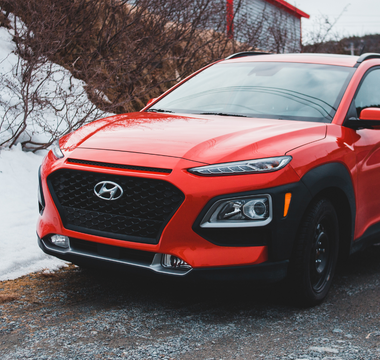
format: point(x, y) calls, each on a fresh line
point(322, 33)
point(39, 100)
point(126, 52)
point(122, 49)
point(119, 50)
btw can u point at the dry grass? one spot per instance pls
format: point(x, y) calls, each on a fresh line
point(5, 298)
point(29, 288)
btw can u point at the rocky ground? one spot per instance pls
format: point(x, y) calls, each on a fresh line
point(82, 314)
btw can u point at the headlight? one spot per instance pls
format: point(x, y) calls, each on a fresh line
point(243, 167)
point(57, 150)
point(245, 211)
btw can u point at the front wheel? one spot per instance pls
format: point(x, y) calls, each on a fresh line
point(315, 254)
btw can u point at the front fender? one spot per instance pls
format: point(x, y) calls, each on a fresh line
point(332, 180)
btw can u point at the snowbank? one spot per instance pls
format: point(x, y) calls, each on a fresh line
point(46, 106)
point(19, 252)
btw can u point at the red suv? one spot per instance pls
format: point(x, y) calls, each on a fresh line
point(257, 166)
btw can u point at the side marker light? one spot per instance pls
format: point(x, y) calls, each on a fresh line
point(288, 197)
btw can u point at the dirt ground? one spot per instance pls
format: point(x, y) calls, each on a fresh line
point(84, 314)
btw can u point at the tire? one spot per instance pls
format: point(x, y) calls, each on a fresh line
point(315, 254)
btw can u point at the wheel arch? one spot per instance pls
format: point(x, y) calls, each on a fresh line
point(333, 182)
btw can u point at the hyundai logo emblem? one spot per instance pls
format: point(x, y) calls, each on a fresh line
point(108, 190)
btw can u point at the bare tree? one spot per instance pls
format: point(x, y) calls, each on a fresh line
point(39, 99)
point(126, 52)
point(322, 32)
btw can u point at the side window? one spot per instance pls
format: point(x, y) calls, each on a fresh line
point(369, 92)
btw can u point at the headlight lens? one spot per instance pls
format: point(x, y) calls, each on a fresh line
point(247, 211)
point(57, 150)
point(243, 167)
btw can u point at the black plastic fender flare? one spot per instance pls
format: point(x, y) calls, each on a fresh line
point(314, 182)
point(333, 175)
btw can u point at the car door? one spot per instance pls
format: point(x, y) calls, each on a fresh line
point(367, 148)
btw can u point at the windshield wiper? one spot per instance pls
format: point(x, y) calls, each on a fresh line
point(221, 114)
point(159, 110)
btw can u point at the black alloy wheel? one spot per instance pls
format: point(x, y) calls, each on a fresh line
point(315, 254)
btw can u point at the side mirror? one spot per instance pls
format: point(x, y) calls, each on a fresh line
point(370, 114)
point(369, 119)
point(154, 99)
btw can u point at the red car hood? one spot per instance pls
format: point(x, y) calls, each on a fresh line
point(206, 139)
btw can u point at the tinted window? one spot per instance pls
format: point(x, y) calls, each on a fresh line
point(266, 90)
point(369, 92)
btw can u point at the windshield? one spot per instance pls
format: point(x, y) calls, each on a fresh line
point(291, 91)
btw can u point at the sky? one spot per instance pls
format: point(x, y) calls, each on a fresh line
point(357, 17)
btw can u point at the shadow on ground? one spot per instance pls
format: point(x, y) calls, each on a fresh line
point(110, 288)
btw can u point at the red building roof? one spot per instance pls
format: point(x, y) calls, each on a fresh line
point(289, 8)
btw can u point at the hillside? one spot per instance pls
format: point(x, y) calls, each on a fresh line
point(128, 53)
point(358, 44)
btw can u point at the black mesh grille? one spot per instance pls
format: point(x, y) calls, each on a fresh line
point(139, 215)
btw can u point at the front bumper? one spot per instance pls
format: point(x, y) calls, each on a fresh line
point(110, 257)
point(209, 251)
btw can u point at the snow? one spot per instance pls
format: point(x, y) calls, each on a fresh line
point(59, 101)
point(19, 252)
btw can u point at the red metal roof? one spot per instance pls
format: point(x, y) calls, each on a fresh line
point(290, 8)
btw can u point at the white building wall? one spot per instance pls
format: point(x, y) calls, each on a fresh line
point(261, 24)
point(270, 28)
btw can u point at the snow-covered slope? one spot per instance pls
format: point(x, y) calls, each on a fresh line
point(41, 98)
point(19, 252)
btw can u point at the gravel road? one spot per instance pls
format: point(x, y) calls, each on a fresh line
point(82, 314)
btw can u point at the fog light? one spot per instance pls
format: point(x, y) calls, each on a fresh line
point(173, 262)
point(61, 241)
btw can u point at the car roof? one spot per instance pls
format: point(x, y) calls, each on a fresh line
point(326, 59)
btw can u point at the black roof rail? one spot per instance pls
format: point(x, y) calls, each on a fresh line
point(368, 56)
point(246, 53)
